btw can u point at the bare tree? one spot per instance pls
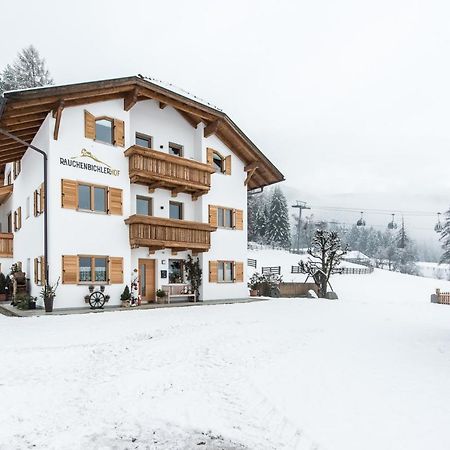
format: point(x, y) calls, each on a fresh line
point(325, 255)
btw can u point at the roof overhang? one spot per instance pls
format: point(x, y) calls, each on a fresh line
point(23, 112)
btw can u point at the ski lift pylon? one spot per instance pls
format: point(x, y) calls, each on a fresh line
point(392, 225)
point(438, 226)
point(361, 222)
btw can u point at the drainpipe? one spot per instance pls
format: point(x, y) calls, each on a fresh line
point(44, 155)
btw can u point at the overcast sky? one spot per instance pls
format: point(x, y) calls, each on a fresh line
point(349, 98)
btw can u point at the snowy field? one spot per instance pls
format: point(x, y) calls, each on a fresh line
point(368, 372)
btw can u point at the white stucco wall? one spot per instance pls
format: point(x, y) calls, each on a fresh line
point(73, 232)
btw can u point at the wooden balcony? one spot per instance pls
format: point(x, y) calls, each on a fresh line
point(161, 170)
point(6, 245)
point(158, 233)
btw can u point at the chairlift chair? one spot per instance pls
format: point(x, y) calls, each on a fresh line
point(438, 226)
point(361, 222)
point(392, 225)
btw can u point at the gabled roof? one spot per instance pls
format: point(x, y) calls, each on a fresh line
point(23, 112)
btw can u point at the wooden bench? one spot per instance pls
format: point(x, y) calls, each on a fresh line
point(177, 291)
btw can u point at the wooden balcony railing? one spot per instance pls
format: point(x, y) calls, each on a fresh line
point(6, 245)
point(158, 233)
point(161, 170)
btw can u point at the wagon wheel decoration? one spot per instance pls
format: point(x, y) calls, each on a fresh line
point(97, 300)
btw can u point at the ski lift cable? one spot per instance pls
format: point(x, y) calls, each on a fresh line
point(375, 211)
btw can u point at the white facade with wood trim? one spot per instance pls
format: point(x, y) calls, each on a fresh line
point(139, 177)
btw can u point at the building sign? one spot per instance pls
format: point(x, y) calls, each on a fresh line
point(99, 167)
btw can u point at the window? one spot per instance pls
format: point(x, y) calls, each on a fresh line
point(17, 167)
point(176, 271)
point(144, 206)
point(176, 210)
point(218, 164)
point(8, 178)
point(10, 222)
point(175, 149)
point(92, 198)
point(104, 130)
point(38, 200)
point(143, 140)
point(225, 272)
point(92, 269)
point(225, 217)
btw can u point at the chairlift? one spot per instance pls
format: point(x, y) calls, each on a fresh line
point(361, 222)
point(392, 225)
point(438, 226)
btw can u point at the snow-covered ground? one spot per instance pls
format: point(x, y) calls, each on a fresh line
point(370, 371)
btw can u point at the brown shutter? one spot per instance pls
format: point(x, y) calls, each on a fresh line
point(15, 221)
point(89, 125)
point(213, 215)
point(69, 194)
point(115, 201)
point(42, 267)
point(239, 219)
point(36, 271)
point(209, 155)
point(239, 272)
point(14, 170)
point(228, 165)
point(19, 217)
point(70, 269)
point(116, 270)
point(119, 133)
point(41, 198)
point(213, 266)
point(35, 203)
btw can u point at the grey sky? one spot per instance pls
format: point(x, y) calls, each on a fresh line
point(349, 98)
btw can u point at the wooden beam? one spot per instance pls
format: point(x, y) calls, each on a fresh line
point(211, 128)
point(196, 195)
point(190, 118)
point(249, 176)
point(251, 166)
point(155, 185)
point(177, 190)
point(57, 113)
point(23, 119)
point(162, 105)
point(24, 126)
point(130, 99)
point(25, 134)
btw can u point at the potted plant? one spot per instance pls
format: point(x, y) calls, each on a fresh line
point(125, 297)
point(254, 284)
point(2, 287)
point(161, 294)
point(48, 294)
point(194, 275)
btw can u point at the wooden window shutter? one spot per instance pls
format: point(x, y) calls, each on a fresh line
point(69, 269)
point(69, 194)
point(227, 162)
point(14, 170)
point(239, 219)
point(36, 271)
point(209, 155)
point(42, 268)
point(19, 217)
point(116, 270)
point(89, 125)
point(213, 266)
point(115, 201)
point(35, 203)
point(213, 215)
point(119, 133)
point(15, 221)
point(238, 272)
point(41, 198)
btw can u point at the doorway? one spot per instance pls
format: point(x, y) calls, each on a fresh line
point(147, 279)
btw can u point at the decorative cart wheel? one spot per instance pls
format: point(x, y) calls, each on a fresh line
point(97, 300)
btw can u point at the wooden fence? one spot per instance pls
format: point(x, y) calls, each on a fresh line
point(274, 270)
point(297, 289)
point(342, 270)
point(443, 297)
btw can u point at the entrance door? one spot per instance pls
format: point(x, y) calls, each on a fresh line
point(147, 283)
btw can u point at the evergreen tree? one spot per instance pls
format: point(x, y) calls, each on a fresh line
point(252, 208)
point(278, 228)
point(27, 71)
point(445, 239)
